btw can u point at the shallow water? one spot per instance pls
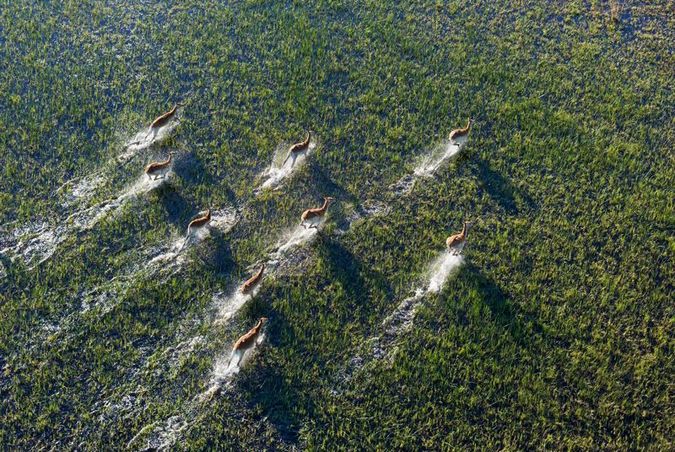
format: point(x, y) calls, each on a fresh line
point(146, 138)
point(428, 164)
point(279, 170)
point(401, 319)
point(439, 155)
point(296, 237)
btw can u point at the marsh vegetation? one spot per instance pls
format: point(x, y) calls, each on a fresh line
point(555, 332)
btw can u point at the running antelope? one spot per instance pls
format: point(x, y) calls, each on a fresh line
point(246, 342)
point(459, 133)
point(296, 149)
point(313, 216)
point(162, 120)
point(198, 223)
point(250, 283)
point(156, 169)
point(456, 242)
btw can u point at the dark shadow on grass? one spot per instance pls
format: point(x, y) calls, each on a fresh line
point(265, 385)
point(191, 170)
point(326, 185)
point(279, 400)
point(217, 255)
point(345, 268)
point(500, 188)
point(177, 208)
point(522, 327)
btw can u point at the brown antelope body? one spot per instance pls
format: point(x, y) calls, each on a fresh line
point(200, 221)
point(252, 281)
point(458, 133)
point(164, 118)
point(456, 242)
point(296, 148)
point(155, 169)
point(312, 215)
point(247, 340)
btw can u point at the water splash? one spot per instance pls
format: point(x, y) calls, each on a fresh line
point(36, 241)
point(225, 368)
point(146, 138)
point(441, 268)
point(433, 161)
point(429, 164)
point(298, 236)
point(401, 320)
point(172, 255)
point(141, 186)
point(82, 190)
point(281, 168)
point(229, 304)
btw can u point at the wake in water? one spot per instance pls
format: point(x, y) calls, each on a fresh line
point(437, 275)
point(296, 237)
point(39, 241)
point(142, 186)
point(369, 208)
point(429, 164)
point(82, 190)
point(281, 167)
point(433, 161)
point(34, 242)
point(401, 320)
point(146, 138)
point(226, 367)
point(228, 304)
point(172, 255)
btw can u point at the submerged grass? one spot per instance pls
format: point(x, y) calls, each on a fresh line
point(557, 332)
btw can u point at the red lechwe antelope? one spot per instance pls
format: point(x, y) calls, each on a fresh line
point(156, 169)
point(297, 148)
point(196, 224)
point(459, 133)
point(456, 242)
point(314, 216)
point(252, 281)
point(162, 120)
point(246, 342)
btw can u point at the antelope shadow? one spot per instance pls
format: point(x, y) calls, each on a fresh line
point(177, 208)
point(346, 269)
point(265, 386)
point(218, 255)
point(523, 327)
point(500, 189)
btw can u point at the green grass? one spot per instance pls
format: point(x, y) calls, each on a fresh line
point(556, 333)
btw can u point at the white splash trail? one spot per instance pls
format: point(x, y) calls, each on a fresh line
point(296, 237)
point(229, 304)
point(429, 164)
point(280, 169)
point(143, 185)
point(226, 366)
point(165, 436)
point(401, 320)
point(146, 138)
point(172, 255)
